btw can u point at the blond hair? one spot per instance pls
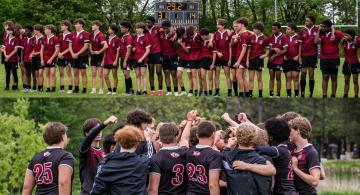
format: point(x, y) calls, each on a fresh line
point(246, 134)
point(303, 125)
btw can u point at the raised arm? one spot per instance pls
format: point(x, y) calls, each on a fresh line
point(184, 140)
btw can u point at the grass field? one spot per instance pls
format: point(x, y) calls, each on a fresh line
point(223, 88)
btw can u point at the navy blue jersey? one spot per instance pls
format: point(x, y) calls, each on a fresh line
point(199, 161)
point(308, 159)
point(170, 164)
point(45, 169)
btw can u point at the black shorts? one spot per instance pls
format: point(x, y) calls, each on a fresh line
point(154, 58)
point(53, 65)
point(309, 61)
point(135, 64)
point(330, 66)
point(183, 63)
point(205, 63)
point(291, 66)
point(256, 64)
point(233, 61)
point(169, 63)
point(64, 62)
point(96, 60)
point(351, 68)
point(128, 65)
point(110, 66)
point(35, 63)
point(275, 67)
point(194, 64)
point(221, 63)
point(81, 62)
point(27, 66)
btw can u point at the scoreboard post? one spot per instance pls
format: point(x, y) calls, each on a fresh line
point(179, 13)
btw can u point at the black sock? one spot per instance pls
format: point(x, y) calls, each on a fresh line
point(296, 92)
point(40, 88)
point(229, 91)
point(53, 89)
point(217, 91)
point(302, 86)
point(210, 92)
point(62, 87)
point(109, 89)
point(278, 93)
point(183, 89)
point(333, 96)
point(84, 90)
point(311, 85)
point(34, 87)
point(346, 95)
point(236, 89)
point(196, 92)
point(241, 94)
point(260, 93)
point(24, 86)
point(168, 89)
point(152, 88)
point(288, 92)
point(324, 96)
point(76, 89)
point(356, 96)
point(48, 89)
point(70, 87)
point(160, 87)
point(205, 93)
point(176, 89)
point(251, 93)
point(114, 89)
point(190, 91)
point(271, 93)
point(247, 94)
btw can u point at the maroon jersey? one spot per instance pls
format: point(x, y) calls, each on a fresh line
point(140, 43)
point(234, 48)
point(307, 36)
point(293, 48)
point(195, 44)
point(50, 45)
point(279, 41)
point(243, 40)
point(183, 55)
point(113, 49)
point(257, 46)
point(38, 41)
point(89, 161)
point(206, 50)
point(10, 45)
point(170, 164)
point(199, 161)
point(78, 41)
point(64, 44)
point(154, 37)
point(222, 41)
point(28, 48)
point(97, 41)
point(167, 45)
point(308, 159)
point(126, 42)
point(351, 49)
point(329, 48)
point(45, 168)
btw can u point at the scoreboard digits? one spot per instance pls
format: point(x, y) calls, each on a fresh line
point(178, 13)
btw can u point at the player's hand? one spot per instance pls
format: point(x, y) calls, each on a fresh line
point(271, 59)
point(96, 52)
point(263, 56)
point(60, 56)
point(277, 50)
point(237, 65)
point(114, 64)
point(49, 62)
point(294, 162)
point(140, 61)
point(286, 58)
point(219, 54)
point(240, 165)
point(92, 52)
point(148, 133)
point(31, 55)
point(247, 63)
point(191, 116)
point(182, 124)
point(6, 58)
point(300, 60)
point(225, 116)
point(124, 64)
point(231, 143)
point(243, 118)
point(212, 66)
point(296, 58)
point(111, 120)
point(75, 56)
point(42, 63)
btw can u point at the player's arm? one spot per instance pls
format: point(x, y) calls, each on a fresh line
point(312, 179)
point(71, 49)
point(317, 36)
point(65, 174)
point(322, 172)
point(42, 55)
point(266, 170)
point(85, 145)
point(12, 53)
point(29, 183)
point(214, 186)
point(56, 53)
point(184, 140)
point(154, 182)
point(84, 48)
point(105, 46)
point(242, 54)
point(227, 119)
point(116, 58)
point(268, 151)
point(147, 52)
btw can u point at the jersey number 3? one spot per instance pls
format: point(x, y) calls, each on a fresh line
point(178, 169)
point(43, 173)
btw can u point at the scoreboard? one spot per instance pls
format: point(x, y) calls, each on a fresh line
point(179, 13)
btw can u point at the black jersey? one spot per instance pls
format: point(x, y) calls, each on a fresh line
point(44, 167)
point(170, 163)
point(199, 161)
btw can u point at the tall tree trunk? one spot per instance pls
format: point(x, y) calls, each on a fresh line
point(204, 8)
point(212, 7)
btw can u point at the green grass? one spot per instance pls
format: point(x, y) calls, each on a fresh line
point(338, 193)
point(223, 88)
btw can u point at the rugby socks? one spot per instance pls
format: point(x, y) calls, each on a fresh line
point(324, 96)
point(109, 89)
point(296, 93)
point(311, 85)
point(114, 89)
point(236, 89)
point(229, 92)
point(210, 92)
point(190, 91)
point(241, 94)
point(288, 92)
point(160, 87)
point(271, 93)
point(278, 94)
point(333, 96)
point(260, 93)
point(84, 90)
point(196, 92)
point(250, 93)
point(205, 93)
point(183, 89)
point(176, 89)
point(76, 90)
point(53, 89)
point(346, 95)
point(40, 88)
point(130, 86)
point(48, 89)
point(168, 89)
point(62, 87)
point(152, 88)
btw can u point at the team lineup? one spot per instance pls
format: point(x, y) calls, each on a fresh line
point(197, 156)
point(171, 52)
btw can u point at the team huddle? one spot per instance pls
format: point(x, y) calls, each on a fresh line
point(169, 52)
point(194, 157)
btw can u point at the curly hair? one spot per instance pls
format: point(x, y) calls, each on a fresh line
point(288, 116)
point(278, 130)
point(246, 134)
point(129, 137)
point(303, 125)
point(262, 138)
point(137, 117)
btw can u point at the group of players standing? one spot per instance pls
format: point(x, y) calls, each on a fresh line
point(164, 50)
point(194, 157)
